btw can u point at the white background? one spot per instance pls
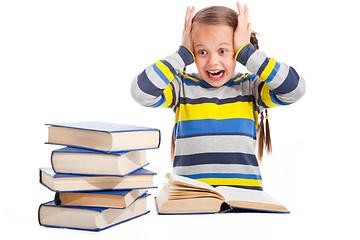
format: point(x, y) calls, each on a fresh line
point(63, 61)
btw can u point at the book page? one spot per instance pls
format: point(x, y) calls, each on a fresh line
point(192, 182)
point(183, 187)
point(240, 194)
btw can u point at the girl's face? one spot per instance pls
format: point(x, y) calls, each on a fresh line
point(214, 53)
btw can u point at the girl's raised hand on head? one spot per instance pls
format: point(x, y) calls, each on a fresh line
point(243, 30)
point(186, 37)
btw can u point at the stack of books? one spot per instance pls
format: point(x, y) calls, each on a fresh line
point(99, 178)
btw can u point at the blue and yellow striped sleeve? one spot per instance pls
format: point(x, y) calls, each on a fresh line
point(280, 84)
point(153, 87)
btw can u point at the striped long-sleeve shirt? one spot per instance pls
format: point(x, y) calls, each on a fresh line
point(215, 127)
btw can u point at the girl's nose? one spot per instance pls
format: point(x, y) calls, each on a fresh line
point(213, 59)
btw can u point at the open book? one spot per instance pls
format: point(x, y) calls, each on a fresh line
point(181, 195)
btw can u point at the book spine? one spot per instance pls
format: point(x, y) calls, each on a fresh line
point(159, 139)
point(51, 161)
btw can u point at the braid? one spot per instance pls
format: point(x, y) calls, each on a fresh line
point(261, 137)
point(172, 146)
point(263, 132)
point(268, 144)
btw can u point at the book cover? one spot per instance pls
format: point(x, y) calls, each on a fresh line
point(62, 182)
point(85, 161)
point(102, 126)
point(109, 198)
point(89, 218)
point(50, 171)
point(102, 136)
point(84, 150)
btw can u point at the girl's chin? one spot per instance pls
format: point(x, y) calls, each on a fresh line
point(217, 82)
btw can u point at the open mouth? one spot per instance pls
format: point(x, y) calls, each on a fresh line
point(216, 74)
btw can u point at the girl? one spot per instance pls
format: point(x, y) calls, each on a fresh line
point(216, 109)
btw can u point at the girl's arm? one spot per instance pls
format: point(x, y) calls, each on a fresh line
point(280, 84)
point(277, 83)
point(153, 87)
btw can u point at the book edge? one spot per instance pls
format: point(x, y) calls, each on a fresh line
point(97, 229)
point(104, 151)
point(128, 128)
point(160, 213)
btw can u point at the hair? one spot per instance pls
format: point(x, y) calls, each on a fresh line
point(216, 15)
point(219, 15)
point(263, 136)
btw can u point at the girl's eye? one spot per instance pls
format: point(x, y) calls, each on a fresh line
point(202, 52)
point(222, 51)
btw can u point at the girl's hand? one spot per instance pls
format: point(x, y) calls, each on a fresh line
point(186, 37)
point(243, 30)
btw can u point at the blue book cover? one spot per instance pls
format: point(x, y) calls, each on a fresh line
point(89, 218)
point(50, 171)
point(102, 126)
point(84, 150)
point(76, 160)
point(102, 136)
point(63, 182)
point(109, 198)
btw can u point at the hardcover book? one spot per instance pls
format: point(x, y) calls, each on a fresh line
point(84, 161)
point(110, 198)
point(181, 195)
point(89, 218)
point(61, 182)
point(101, 136)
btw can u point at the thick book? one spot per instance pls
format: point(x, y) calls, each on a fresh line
point(61, 182)
point(84, 161)
point(109, 198)
point(89, 218)
point(181, 195)
point(101, 136)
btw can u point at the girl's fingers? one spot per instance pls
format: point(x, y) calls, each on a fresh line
point(186, 37)
point(239, 9)
point(188, 17)
point(246, 12)
point(243, 18)
point(246, 15)
point(243, 30)
point(192, 12)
